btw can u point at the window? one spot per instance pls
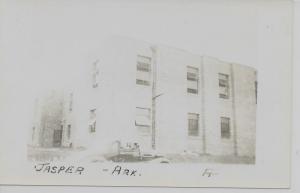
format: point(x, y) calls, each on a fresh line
point(193, 127)
point(92, 124)
point(69, 131)
point(192, 80)
point(225, 127)
point(143, 120)
point(143, 75)
point(71, 102)
point(95, 74)
point(57, 137)
point(33, 133)
point(224, 86)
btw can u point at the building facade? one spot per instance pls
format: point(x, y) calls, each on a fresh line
point(165, 99)
point(52, 120)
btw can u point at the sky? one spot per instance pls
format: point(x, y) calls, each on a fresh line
point(54, 41)
point(52, 44)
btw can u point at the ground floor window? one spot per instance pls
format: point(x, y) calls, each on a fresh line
point(57, 137)
point(225, 127)
point(92, 124)
point(193, 124)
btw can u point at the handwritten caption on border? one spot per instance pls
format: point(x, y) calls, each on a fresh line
point(114, 171)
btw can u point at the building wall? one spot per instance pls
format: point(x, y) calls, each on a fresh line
point(245, 99)
point(216, 107)
point(117, 95)
point(175, 103)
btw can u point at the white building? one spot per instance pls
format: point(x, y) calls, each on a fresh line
point(165, 99)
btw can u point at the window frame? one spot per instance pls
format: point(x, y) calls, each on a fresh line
point(224, 84)
point(192, 77)
point(92, 120)
point(143, 67)
point(192, 132)
point(95, 75)
point(71, 96)
point(69, 131)
point(225, 134)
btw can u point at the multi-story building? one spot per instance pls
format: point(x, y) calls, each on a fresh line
point(165, 99)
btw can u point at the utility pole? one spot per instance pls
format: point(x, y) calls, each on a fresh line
point(154, 95)
point(153, 101)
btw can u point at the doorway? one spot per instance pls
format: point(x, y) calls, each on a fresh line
point(57, 138)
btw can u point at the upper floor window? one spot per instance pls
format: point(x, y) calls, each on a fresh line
point(71, 102)
point(69, 131)
point(143, 75)
point(95, 74)
point(223, 86)
point(192, 80)
point(193, 124)
point(143, 120)
point(225, 127)
point(92, 123)
point(33, 133)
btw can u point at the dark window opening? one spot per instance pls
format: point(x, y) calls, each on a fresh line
point(71, 102)
point(92, 124)
point(193, 124)
point(224, 86)
point(57, 138)
point(142, 82)
point(95, 74)
point(69, 131)
point(225, 127)
point(192, 80)
point(33, 133)
point(143, 67)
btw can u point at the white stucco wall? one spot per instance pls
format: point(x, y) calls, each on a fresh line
point(117, 96)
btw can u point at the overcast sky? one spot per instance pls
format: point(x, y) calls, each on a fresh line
point(55, 41)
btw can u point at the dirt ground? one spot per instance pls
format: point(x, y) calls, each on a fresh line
point(65, 154)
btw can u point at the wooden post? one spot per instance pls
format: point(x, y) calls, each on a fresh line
point(154, 77)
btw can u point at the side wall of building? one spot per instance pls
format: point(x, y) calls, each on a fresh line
point(117, 96)
point(216, 107)
point(245, 100)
